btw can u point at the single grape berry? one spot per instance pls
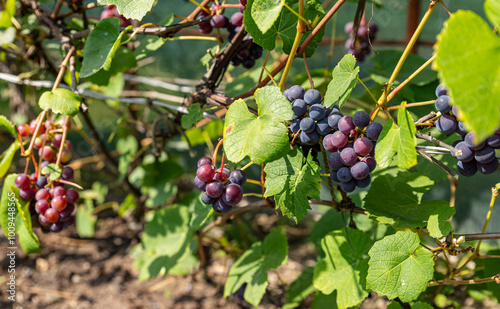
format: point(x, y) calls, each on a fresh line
point(446, 124)
point(373, 130)
point(200, 185)
point(307, 125)
point(299, 107)
point(344, 174)
point(58, 191)
point(41, 206)
point(220, 206)
point(360, 170)
point(370, 161)
point(22, 181)
point(322, 127)
point(236, 19)
point(41, 182)
point(214, 188)
point(365, 182)
point(348, 186)
point(346, 124)
point(59, 203)
point(309, 138)
point(348, 156)
point(363, 146)
point(42, 194)
point(207, 199)
point(441, 90)
point(218, 21)
point(467, 168)
point(333, 120)
point(471, 141)
point(295, 92)
point(443, 104)
point(339, 139)
point(24, 130)
point(485, 155)
point(43, 220)
point(233, 194)
point(312, 96)
point(205, 172)
point(56, 227)
point(67, 173)
point(72, 196)
point(52, 215)
point(317, 112)
point(327, 143)
point(67, 212)
point(47, 153)
point(494, 141)
point(333, 176)
point(295, 125)
point(27, 194)
point(487, 168)
point(361, 119)
point(467, 154)
point(222, 176)
point(334, 161)
point(238, 177)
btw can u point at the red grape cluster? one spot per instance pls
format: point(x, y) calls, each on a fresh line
point(361, 47)
point(476, 156)
point(111, 11)
point(221, 188)
point(248, 52)
point(51, 205)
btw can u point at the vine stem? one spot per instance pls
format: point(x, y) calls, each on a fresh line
point(412, 104)
point(308, 73)
point(494, 194)
point(63, 140)
point(327, 170)
point(495, 278)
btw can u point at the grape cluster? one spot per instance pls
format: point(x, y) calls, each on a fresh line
point(247, 53)
point(476, 156)
point(361, 47)
point(351, 140)
point(111, 11)
point(51, 205)
point(221, 187)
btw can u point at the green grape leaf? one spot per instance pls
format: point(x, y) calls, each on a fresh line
point(60, 101)
point(195, 115)
point(127, 146)
point(54, 171)
point(396, 200)
point(8, 155)
point(5, 123)
point(15, 217)
point(252, 266)
point(264, 137)
point(284, 27)
point(399, 267)
point(100, 46)
point(85, 219)
point(123, 61)
point(398, 140)
point(148, 43)
point(329, 221)
point(128, 203)
point(421, 305)
point(7, 13)
point(344, 79)
point(135, 9)
point(471, 70)
point(492, 9)
point(265, 13)
point(322, 301)
point(292, 179)
point(344, 267)
point(300, 289)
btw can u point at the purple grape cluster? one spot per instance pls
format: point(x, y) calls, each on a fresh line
point(221, 187)
point(476, 156)
point(51, 205)
point(361, 47)
point(247, 53)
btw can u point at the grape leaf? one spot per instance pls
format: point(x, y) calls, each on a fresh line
point(322, 301)
point(396, 200)
point(7, 13)
point(344, 78)
point(127, 146)
point(252, 266)
point(15, 215)
point(264, 137)
point(265, 13)
point(4, 122)
point(60, 101)
point(492, 9)
point(123, 61)
point(399, 267)
point(135, 9)
point(398, 140)
point(54, 171)
point(195, 115)
point(468, 63)
point(344, 267)
point(8, 155)
point(300, 289)
point(284, 27)
point(85, 219)
point(148, 43)
point(292, 179)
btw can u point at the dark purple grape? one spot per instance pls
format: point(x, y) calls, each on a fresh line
point(214, 188)
point(255, 51)
point(205, 28)
point(373, 27)
point(41, 206)
point(344, 174)
point(43, 220)
point(333, 121)
point(363, 146)
point(471, 141)
point(295, 92)
point(312, 96)
point(335, 110)
point(373, 130)
point(446, 124)
point(243, 53)
point(327, 143)
point(348, 156)
point(441, 90)
point(307, 125)
point(56, 227)
point(322, 127)
point(200, 185)
point(248, 63)
point(485, 155)
point(334, 161)
point(236, 19)
point(41, 182)
point(317, 112)
point(58, 191)
point(27, 194)
point(365, 182)
point(361, 119)
point(360, 170)
point(220, 206)
point(285, 92)
point(67, 173)
point(222, 176)
point(295, 126)
point(348, 186)
point(72, 196)
point(299, 107)
point(207, 199)
point(339, 139)
point(218, 21)
point(333, 176)
point(205, 172)
point(494, 141)
point(488, 168)
point(66, 213)
point(443, 104)
point(238, 177)
point(467, 168)
point(346, 124)
point(309, 138)
point(204, 160)
point(370, 161)
point(233, 194)
point(22, 181)
point(467, 154)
